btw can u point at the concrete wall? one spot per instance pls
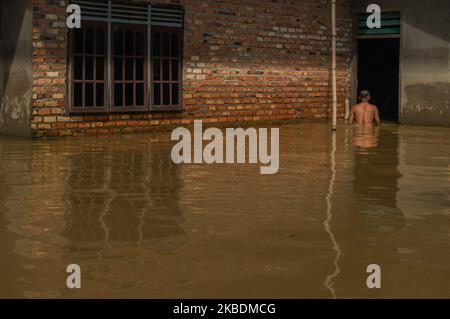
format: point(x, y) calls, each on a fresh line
point(424, 59)
point(16, 76)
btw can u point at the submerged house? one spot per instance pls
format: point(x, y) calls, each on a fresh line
point(135, 65)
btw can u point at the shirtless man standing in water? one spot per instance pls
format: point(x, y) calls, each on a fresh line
point(364, 113)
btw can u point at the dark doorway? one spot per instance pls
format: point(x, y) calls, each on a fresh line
point(378, 72)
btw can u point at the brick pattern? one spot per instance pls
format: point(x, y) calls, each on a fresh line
point(244, 60)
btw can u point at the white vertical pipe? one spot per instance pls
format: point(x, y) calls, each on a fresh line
point(333, 62)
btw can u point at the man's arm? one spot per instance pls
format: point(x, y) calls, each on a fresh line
point(377, 116)
point(352, 116)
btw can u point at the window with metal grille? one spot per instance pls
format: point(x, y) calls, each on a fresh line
point(88, 71)
point(126, 58)
point(129, 79)
point(166, 81)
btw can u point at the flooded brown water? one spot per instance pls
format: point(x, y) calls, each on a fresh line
point(142, 227)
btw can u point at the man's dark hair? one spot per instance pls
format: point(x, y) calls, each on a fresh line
point(364, 94)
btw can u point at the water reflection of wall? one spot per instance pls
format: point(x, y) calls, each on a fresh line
point(10, 262)
point(79, 200)
point(376, 175)
point(123, 191)
point(31, 207)
point(424, 164)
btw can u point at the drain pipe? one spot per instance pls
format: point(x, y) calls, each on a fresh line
point(333, 62)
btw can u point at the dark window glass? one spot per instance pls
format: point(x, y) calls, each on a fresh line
point(100, 66)
point(156, 44)
point(89, 95)
point(78, 68)
point(89, 41)
point(139, 69)
point(78, 94)
point(139, 43)
point(100, 42)
point(78, 41)
point(175, 70)
point(166, 70)
point(129, 94)
point(175, 94)
point(129, 69)
point(166, 94)
point(140, 94)
point(118, 42)
point(129, 42)
point(118, 75)
point(157, 70)
point(100, 92)
point(174, 45)
point(157, 94)
point(89, 75)
point(165, 44)
point(118, 95)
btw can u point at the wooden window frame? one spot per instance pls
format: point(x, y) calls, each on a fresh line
point(88, 109)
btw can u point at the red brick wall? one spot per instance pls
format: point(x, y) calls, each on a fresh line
point(244, 60)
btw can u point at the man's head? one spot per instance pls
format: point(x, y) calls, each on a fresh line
point(364, 96)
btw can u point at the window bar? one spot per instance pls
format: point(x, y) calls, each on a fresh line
point(109, 85)
point(83, 76)
point(170, 69)
point(161, 71)
point(94, 71)
point(149, 58)
point(134, 68)
point(124, 61)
